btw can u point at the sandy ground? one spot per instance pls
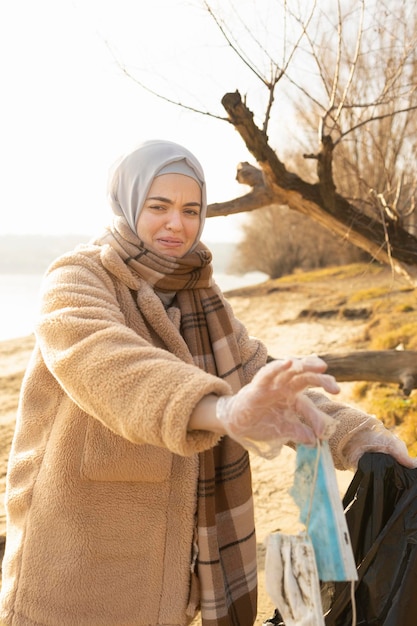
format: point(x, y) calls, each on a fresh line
point(274, 319)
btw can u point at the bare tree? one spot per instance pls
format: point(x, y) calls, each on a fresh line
point(277, 242)
point(351, 70)
point(373, 159)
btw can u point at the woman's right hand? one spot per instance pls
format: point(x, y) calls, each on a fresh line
point(266, 413)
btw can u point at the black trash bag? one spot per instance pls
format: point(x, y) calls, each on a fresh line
point(275, 620)
point(381, 513)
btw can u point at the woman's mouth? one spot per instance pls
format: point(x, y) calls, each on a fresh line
point(170, 242)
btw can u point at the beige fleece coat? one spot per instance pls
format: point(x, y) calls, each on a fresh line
point(101, 490)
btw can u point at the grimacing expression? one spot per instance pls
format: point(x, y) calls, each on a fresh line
point(169, 221)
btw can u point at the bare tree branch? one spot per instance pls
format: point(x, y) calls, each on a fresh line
point(236, 49)
point(157, 94)
point(343, 98)
point(374, 118)
point(336, 214)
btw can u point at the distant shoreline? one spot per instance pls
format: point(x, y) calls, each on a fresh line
point(21, 292)
point(32, 254)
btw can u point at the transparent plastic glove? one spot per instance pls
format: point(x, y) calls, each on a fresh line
point(372, 436)
point(266, 413)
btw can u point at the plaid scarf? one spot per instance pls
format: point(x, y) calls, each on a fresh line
point(226, 562)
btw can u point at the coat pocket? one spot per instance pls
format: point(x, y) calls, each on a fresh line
point(109, 457)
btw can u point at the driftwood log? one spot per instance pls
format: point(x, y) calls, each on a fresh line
point(384, 366)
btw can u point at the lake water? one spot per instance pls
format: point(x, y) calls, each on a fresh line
point(19, 295)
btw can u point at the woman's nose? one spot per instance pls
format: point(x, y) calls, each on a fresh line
point(174, 221)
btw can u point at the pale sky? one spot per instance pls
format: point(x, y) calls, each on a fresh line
point(67, 111)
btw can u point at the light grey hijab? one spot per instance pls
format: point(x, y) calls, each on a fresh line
point(132, 175)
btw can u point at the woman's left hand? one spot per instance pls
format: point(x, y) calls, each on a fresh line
point(372, 436)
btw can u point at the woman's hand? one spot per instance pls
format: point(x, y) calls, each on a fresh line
point(372, 436)
point(266, 413)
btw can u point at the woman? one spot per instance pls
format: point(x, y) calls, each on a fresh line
point(127, 502)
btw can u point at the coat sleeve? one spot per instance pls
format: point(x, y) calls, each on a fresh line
point(141, 392)
point(350, 421)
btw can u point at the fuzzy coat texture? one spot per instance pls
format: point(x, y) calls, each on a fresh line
point(101, 491)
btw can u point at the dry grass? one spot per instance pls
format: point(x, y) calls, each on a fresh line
point(397, 411)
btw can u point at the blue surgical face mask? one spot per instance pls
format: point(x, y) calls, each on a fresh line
point(316, 493)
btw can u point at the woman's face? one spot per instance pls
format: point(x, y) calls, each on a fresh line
point(170, 218)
